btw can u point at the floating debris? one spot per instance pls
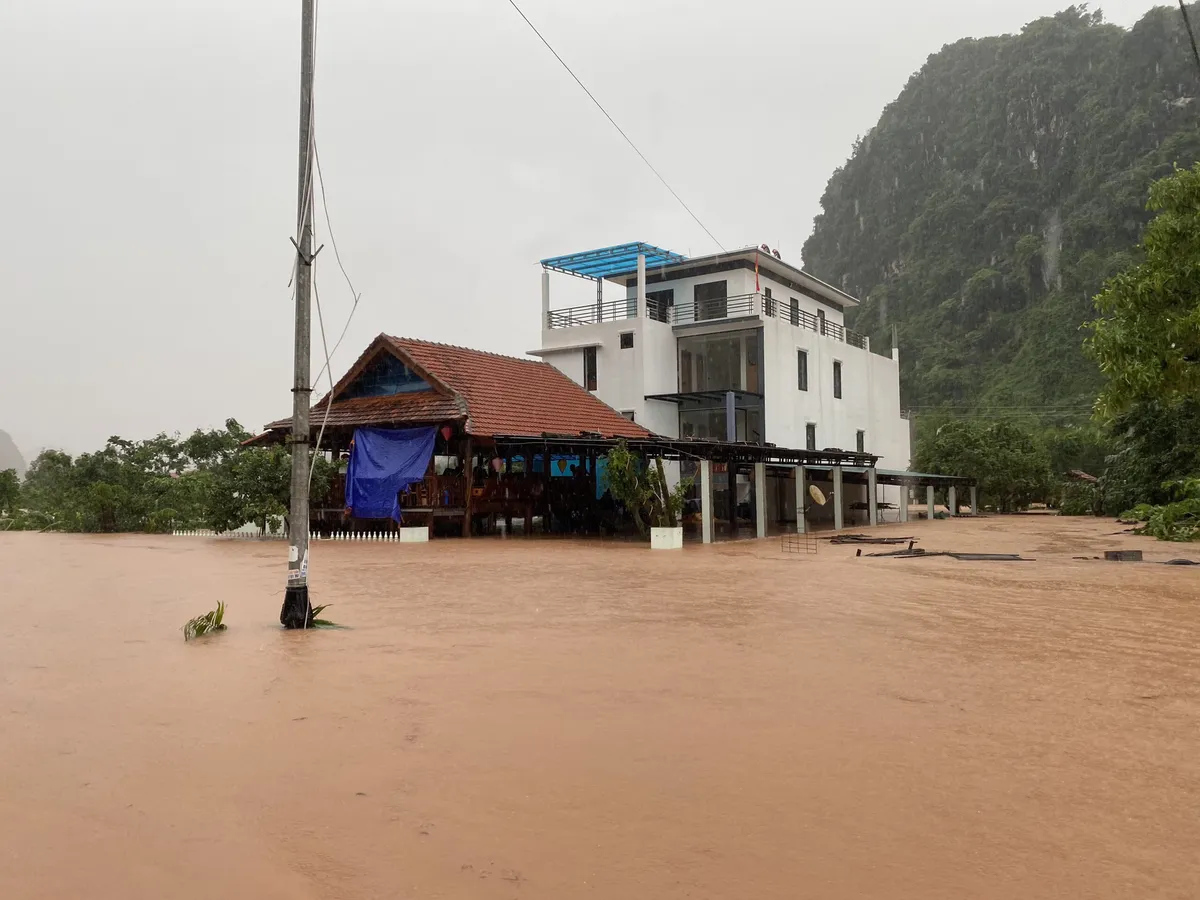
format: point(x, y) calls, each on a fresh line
point(910, 553)
point(867, 539)
point(1123, 555)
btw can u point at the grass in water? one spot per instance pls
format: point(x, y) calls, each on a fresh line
point(316, 622)
point(205, 624)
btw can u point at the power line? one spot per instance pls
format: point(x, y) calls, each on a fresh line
point(620, 130)
point(1187, 23)
point(338, 257)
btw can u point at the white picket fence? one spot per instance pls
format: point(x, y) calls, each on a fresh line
point(243, 534)
point(240, 535)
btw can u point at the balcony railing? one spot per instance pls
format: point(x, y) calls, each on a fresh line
point(708, 310)
point(592, 314)
point(715, 308)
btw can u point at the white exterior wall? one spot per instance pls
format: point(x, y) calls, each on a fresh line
point(870, 383)
point(870, 395)
point(623, 377)
point(657, 354)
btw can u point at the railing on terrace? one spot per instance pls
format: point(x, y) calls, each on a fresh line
point(592, 314)
point(716, 308)
point(709, 310)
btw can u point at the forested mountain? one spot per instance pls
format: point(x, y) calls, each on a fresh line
point(10, 456)
point(998, 191)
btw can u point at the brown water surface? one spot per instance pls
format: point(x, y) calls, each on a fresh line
point(545, 719)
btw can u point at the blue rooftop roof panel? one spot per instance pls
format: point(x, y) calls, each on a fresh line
point(609, 261)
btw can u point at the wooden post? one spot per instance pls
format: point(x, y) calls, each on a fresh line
point(468, 463)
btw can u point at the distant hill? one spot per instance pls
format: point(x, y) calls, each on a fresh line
point(10, 456)
point(998, 191)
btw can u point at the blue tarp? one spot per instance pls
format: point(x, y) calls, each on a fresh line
point(383, 462)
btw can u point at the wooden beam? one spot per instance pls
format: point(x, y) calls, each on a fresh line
point(468, 463)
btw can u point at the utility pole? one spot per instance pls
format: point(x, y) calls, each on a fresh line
point(297, 611)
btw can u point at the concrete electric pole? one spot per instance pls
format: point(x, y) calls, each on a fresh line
point(297, 611)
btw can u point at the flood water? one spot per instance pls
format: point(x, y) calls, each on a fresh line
point(549, 719)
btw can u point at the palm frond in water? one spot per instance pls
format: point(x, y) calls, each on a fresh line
point(316, 622)
point(205, 624)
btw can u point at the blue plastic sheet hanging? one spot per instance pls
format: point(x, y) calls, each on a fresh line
point(383, 462)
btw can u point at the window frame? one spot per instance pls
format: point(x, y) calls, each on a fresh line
point(860, 441)
point(810, 435)
point(837, 379)
point(801, 369)
point(590, 372)
point(621, 340)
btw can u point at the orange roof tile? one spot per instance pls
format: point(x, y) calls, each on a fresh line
point(498, 395)
point(520, 397)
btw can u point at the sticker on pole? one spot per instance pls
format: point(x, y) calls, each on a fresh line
point(293, 553)
point(304, 565)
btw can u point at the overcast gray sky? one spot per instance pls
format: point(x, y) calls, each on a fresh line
point(148, 168)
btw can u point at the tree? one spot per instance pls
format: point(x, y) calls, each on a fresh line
point(206, 480)
point(10, 490)
point(1011, 465)
point(254, 485)
point(1147, 340)
point(643, 489)
point(1155, 443)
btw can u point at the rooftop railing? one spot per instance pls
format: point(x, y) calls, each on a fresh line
point(712, 309)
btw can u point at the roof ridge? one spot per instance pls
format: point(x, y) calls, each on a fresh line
point(404, 340)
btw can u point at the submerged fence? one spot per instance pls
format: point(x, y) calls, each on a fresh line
point(241, 535)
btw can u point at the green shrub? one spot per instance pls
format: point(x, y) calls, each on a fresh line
point(1178, 520)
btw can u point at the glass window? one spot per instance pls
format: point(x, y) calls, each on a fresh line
point(794, 310)
point(709, 422)
point(810, 436)
point(385, 376)
point(589, 368)
point(711, 300)
point(821, 321)
point(659, 303)
point(628, 414)
point(627, 340)
point(753, 382)
point(837, 380)
point(720, 362)
point(860, 440)
point(768, 303)
point(802, 369)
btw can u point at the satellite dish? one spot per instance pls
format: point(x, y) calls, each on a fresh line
point(817, 496)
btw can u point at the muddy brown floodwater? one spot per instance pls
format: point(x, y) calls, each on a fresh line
point(552, 719)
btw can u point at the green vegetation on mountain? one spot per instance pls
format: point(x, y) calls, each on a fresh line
point(996, 195)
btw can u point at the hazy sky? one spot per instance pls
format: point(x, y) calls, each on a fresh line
point(148, 170)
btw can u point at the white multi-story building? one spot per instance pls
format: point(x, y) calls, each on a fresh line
point(735, 346)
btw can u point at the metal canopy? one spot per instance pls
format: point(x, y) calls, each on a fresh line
point(688, 448)
point(897, 477)
point(606, 262)
point(717, 397)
